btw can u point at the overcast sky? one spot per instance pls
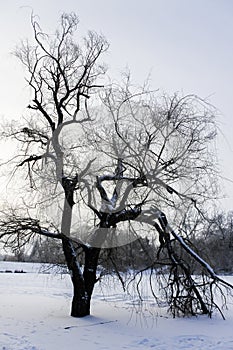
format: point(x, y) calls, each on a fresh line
point(186, 45)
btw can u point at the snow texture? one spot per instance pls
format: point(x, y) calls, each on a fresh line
point(34, 315)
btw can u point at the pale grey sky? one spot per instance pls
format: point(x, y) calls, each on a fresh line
point(187, 45)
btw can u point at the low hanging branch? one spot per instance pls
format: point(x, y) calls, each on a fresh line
point(187, 294)
point(202, 262)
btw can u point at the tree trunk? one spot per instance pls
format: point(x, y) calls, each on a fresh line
point(80, 304)
point(83, 282)
point(81, 301)
point(89, 273)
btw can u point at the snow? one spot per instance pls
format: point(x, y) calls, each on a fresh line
point(34, 315)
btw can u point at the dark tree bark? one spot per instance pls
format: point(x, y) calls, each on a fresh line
point(80, 303)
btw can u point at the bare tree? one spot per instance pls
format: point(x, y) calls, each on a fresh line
point(118, 161)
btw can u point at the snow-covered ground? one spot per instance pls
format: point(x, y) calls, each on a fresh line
point(34, 315)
